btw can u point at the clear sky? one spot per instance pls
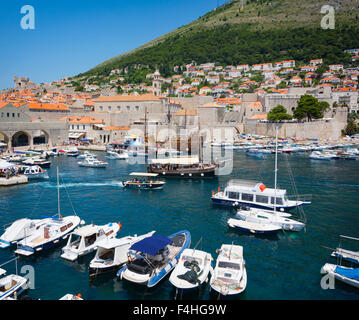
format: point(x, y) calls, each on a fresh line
point(72, 36)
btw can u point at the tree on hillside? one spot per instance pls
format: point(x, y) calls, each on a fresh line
point(278, 113)
point(310, 108)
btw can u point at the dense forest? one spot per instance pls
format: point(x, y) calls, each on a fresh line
point(238, 44)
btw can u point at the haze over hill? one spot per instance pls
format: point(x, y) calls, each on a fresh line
point(265, 30)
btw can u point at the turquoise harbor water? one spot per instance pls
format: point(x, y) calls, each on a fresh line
point(283, 267)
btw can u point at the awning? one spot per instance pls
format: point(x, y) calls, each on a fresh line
point(177, 160)
point(6, 165)
point(143, 174)
point(100, 125)
point(76, 135)
point(151, 245)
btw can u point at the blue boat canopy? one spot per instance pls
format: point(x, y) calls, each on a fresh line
point(349, 273)
point(151, 245)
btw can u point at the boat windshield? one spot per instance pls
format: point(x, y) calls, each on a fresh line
point(106, 254)
point(191, 259)
point(229, 265)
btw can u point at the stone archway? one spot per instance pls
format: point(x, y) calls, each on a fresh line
point(4, 139)
point(21, 139)
point(41, 137)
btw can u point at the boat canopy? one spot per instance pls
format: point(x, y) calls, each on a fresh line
point(177, 160)
point(6, 165)
point(151, 245)
point(143, 174)
point(348, 273)
point(2, 272)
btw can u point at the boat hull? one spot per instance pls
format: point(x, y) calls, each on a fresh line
point(189, 174)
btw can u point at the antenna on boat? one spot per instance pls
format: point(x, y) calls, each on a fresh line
point(194, 248)
point(58, 195)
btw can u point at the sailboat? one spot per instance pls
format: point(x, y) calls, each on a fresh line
point(49, 234)
point(266, 217)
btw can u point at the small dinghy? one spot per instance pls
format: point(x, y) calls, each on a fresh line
point(192, 269)
point(152, 258)
point(20, 229)
point(347, 275)
point(114, 155)
point(253, 227)
point(35, 172)
point(84, 240)
point(230, 275)
point(143, 181)
point(111, 254)
point(12, 285)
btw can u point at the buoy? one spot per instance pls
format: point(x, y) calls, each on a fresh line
point(219, 189)
point(120, 225)
point(79, 295)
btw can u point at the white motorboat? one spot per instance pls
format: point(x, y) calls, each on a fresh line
point(20, 229)
point(192, 269)
point(111, 254)
point(35, 172)
point(12, 285)
point(253, 227)
point(229, 275)
point(345, 274)
point(345, 254)
point(115, 155)
point(317, 155)
point(270, 217)
point(152, 258)
point(84, 240)
point(56, 229)
point(92, 163)
point(43, 163)
point(49, 234)
point(87, 154)
point(143, 181)
point(72, 152)
point(71, 296)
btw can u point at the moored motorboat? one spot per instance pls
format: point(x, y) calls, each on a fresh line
point(347, 275)
point(152, 258)
point(253, 227)
point(20, 229)
point(111, 254)
point(117, 155)
point(85, 240)
point(35, 172)
point(229, 276)
point(192, 269)
point(43, 163)
point(12, 285)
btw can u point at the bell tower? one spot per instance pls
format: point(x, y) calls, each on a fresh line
point(156, 84)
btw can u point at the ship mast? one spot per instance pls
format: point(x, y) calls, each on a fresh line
point(58, 195)
point(146, 139)
point(275, 168)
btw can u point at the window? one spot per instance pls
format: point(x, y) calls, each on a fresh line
point(8, 114)
point(118, 108)
point(2, 114)
point(18, 115)
point(78, 127)
point(109, 108)
point(137, 108)
point(233, 195)
point(128, 108)
point(101, 108)
point(247, 197)
point(261, 199)
point(13, 115)
point(83, 127)
point(279, 201)
point(73, 127)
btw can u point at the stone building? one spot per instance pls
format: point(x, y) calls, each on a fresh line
point(23, 83)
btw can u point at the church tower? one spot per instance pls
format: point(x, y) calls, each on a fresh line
point(156, 84)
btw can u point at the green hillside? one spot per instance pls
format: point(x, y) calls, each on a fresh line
point(264, 31)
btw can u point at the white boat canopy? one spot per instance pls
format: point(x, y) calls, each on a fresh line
point(6, 165)
point(143, 174)
point(177, 160)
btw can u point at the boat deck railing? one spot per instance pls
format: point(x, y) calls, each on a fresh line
point(301, 197)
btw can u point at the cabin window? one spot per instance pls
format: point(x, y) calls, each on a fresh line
point(233, 195)
point(279, 201)
point(247, 197)
point(261, 199)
